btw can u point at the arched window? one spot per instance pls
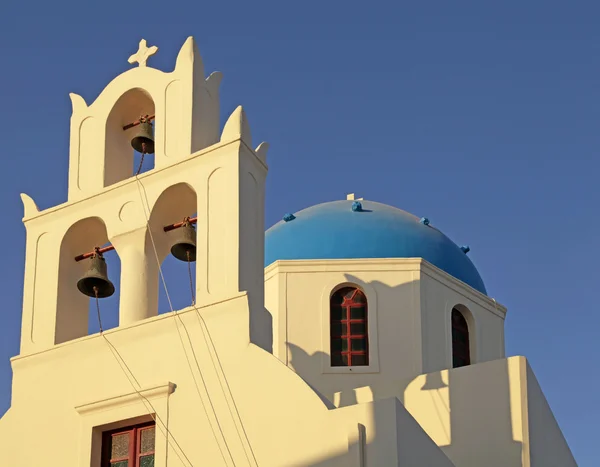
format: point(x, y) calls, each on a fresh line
point(461, 352)
point(348, 328)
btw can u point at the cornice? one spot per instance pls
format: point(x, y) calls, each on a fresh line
point(203, 307)
point(386, 265)
point(467, 291)
point(145, 175)
point(119, 400)
point(342, 265)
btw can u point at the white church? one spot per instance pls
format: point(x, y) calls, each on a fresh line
point(350, 334)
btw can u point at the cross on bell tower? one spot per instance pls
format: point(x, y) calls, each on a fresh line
point(144, 52)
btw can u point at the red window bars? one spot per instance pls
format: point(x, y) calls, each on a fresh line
point(348, 328)
point(461, 353)
point(129, 447)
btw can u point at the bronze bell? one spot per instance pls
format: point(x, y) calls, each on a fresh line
point(96, 277)
point(143, 142)
point(184, 249)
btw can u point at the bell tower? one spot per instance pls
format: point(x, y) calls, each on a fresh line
point(202, 176)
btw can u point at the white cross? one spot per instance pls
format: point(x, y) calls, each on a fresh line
point(144, 52)
point(350, 197)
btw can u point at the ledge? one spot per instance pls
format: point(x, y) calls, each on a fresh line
point(328, 265)
point(203, 307)
point(160, 390)
point(133, 180)
point(385, 265)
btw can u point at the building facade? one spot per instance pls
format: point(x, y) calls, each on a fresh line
point(351, 334)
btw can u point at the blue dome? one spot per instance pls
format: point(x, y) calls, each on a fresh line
point(342, 230)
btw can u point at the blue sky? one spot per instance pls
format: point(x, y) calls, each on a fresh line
point(482, 116)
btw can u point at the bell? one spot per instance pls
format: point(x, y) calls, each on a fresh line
point(96, 277)
point(143, 142)
point(184, 248)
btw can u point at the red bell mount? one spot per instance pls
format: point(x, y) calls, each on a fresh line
point(166, 228)
point(97, 251)
point(144, 118)
point(177, 225)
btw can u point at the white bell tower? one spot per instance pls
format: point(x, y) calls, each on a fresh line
point(197, 169)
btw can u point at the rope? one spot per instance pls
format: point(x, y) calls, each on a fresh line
point(141, 162)
point(153, 413)
point(189, 263)
point(98, 308)
point(176, 315)
point(201, 318)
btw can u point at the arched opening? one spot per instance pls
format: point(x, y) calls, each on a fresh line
point(174, 205)
point(76, 313)
point(461, 347)
point(348, 327)
point(121, 160)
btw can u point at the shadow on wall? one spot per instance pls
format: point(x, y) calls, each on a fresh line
point(466, 411)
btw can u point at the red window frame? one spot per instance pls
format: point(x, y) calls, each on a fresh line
point(461, 351)
point(350, 297)
point(135, 441)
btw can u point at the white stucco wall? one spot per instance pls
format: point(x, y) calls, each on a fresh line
point(222, 180)
point(547, 445)
point(231, 403)
point(409, 303)
point(439, 293)
point(491, 414)
point(204, 373)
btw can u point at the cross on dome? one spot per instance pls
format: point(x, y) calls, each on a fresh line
point(143, 54)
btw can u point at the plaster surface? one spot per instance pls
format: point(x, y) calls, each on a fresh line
point(243, 376)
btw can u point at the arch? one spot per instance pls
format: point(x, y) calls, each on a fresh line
point(461, 321)
point(73, 308)
point(173, 205)
point(348, 328)
point(120, 160)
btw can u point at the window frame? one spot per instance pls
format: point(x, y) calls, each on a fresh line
point(329, 288)
point(133, 457)
point(346, 321)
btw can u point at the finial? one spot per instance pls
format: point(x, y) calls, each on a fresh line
point(261, 151)
point(144, 52)
point(30, 209)
point(350, 197)
point(77, 102)
point(465, 249)
point(237, 127)
point(357, 206)
point(288, 217)
point(424, 221)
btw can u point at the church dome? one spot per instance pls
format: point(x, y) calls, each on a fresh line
point(366, 229)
